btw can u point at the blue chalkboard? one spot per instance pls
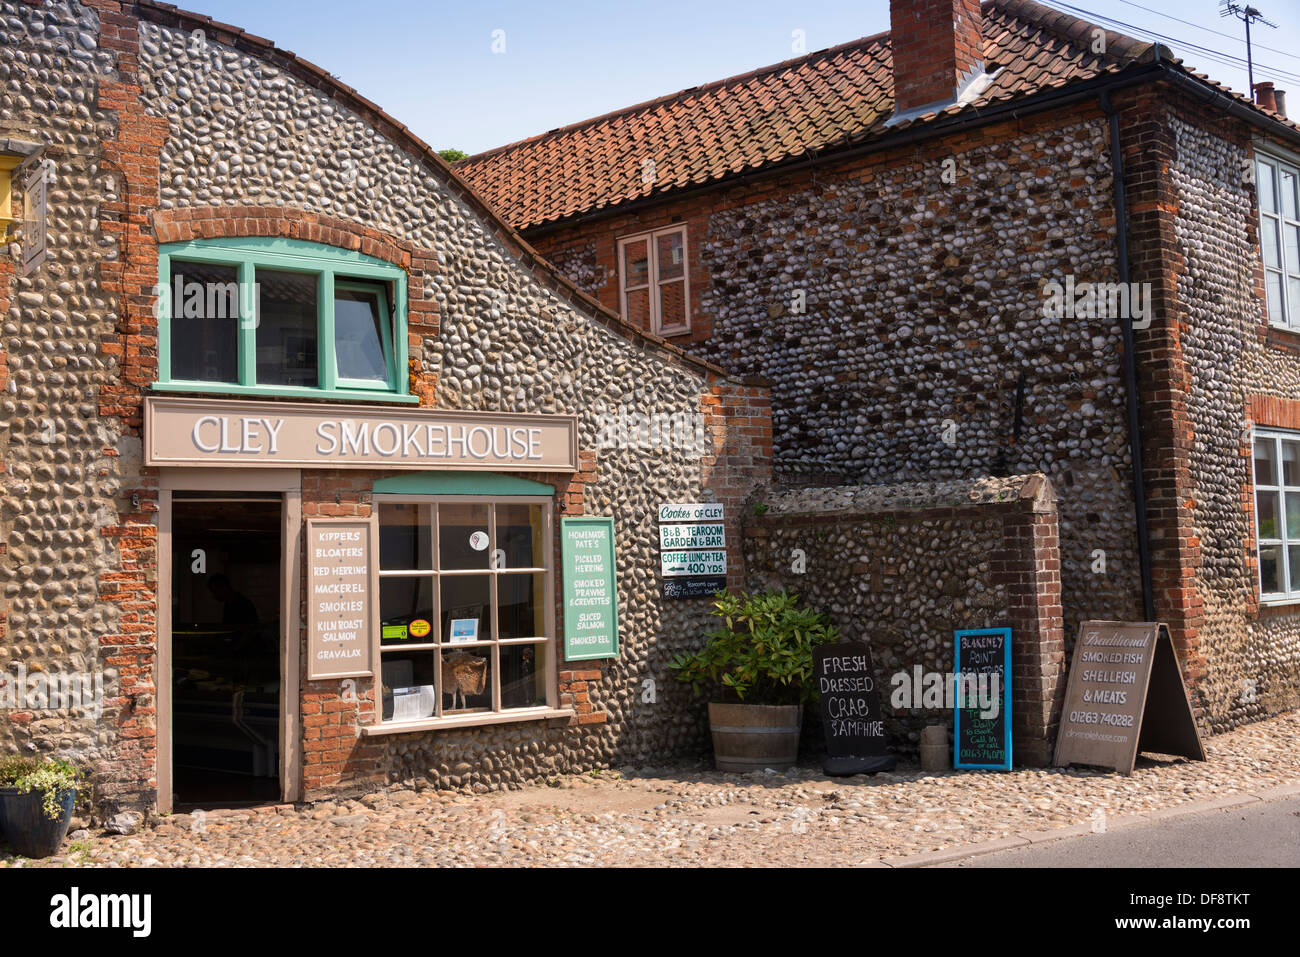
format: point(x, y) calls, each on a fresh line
point(981, 739)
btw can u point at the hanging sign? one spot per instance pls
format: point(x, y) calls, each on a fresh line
point(850, 704)
point(339, 599)
point(590, 589)
point(1125, 694)
point(692, 550)
point(982, 691)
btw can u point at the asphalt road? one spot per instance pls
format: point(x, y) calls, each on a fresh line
point(1256, 835)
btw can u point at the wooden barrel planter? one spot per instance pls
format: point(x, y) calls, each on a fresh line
point(751, 737)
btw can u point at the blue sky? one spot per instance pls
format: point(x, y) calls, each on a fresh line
point(432, 66)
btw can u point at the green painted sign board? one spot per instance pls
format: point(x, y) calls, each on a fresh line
point(590, 589)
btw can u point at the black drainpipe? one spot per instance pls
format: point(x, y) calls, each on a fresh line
point(1130, 363)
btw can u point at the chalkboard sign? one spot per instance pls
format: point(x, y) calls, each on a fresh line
point(981, 692)
point(850, 705)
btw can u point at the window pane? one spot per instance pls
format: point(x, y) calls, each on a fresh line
point(406, 611)
point(1293, 516)
point(408, 692)
point(1291, 235)
point(1266, 504)
point(405, 539)
point(463, 537)
point(1267, 195)
point(1293, 555)
point(1273, 283)
point(672, 305)
point(1265, 470)
point(521, 606)
point(1270, 568)
point(1268, 240)
point(1288, 203)
point(358, 336)
point(519, 536)
point(672, 256)
point(466, 614)
point(1290, 463)
point(523, 676)
point(636, 264)
point(638, 308)
point(1294, 285)
point(286, 329)
point(466, 680)
point(205, 322)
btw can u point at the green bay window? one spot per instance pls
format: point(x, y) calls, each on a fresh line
point(256, 316)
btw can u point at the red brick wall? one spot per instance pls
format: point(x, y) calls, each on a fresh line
point(131, 153)
point(936, 45)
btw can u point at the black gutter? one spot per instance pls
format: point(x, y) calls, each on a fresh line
point(1130, 363)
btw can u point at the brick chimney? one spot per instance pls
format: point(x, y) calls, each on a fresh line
point(938, 49)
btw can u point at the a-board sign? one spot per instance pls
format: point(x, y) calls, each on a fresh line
point(590, 588)
point(1125, 694)
point(692, 549)
point(850, 705)
point(339, 590)
point(982, 690)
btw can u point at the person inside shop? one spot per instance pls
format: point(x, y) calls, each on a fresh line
point(238, 611)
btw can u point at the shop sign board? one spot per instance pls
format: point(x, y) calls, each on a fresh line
point(340, 586)
point(692, 549)
point(1125, 695)
point(982, 664)
point(587, 562)
point(221, 432)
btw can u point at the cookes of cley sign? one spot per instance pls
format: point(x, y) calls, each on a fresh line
point(215, 432)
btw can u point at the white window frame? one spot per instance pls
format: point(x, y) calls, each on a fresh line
point(1270, 164)
point(653, 283)
point(1280, 488)
point(437, 643)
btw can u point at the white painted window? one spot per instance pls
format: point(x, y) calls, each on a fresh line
point(1277, 513)
point(1278, 183)
point(654, 280)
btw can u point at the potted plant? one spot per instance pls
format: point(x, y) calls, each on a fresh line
point(761, 660)
point(36, 803)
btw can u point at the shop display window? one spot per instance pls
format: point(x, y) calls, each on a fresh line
point(466, 607)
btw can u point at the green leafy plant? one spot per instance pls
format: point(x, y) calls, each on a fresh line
point(53, 777)
point(16, 767)
point(760, 508)
point(763, 653)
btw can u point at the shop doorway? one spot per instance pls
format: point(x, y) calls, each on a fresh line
point(226, 653)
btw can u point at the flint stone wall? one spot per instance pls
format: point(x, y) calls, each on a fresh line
point(1252, 654)
point(903, 566)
